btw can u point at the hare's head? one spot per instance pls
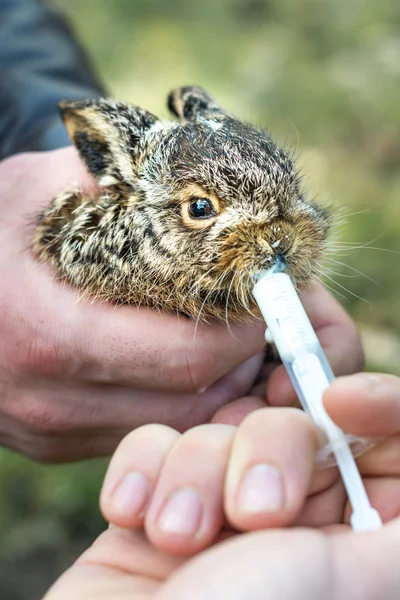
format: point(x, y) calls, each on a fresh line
point(214, 192)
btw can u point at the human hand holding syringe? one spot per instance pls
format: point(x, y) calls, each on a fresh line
point(269, 549)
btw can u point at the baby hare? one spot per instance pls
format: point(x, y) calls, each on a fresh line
point(187, 214)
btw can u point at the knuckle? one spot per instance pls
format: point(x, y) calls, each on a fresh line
point(30, 345)
point(34, 357)
point(39, 416)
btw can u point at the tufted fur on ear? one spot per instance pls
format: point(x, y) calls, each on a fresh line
point(191, 103)
point(109, 136)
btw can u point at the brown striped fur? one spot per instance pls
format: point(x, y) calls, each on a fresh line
point(137, 243)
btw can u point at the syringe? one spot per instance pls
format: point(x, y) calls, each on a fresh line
point(310, 373)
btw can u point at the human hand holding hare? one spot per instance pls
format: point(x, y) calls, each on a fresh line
point(77, 375)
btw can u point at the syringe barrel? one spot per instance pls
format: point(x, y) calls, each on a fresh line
point(310, 380)
point(302, 355)
point(311, 375)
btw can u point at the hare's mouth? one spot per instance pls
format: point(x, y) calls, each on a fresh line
point(279, 266)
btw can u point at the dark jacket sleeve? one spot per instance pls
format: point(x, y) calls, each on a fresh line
point(40, 64)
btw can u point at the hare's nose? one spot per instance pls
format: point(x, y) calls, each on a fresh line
point(276, 244)
point(279, 238)
point(281, 244)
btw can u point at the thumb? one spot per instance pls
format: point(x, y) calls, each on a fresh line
point(120, 565)
point(289, 564)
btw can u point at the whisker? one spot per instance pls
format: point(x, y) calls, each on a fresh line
point(346, 290)
point(204, 302)
point(296, 132)
point(197, 282)
point(323, 285)
point(358, 212)
point(356, 271)
point(344, 244)
point(325, 268)
point(227, 305)
point(244, 297)
point(380, 249)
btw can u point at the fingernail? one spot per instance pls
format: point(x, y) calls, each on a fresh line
point(131, 494)
point(183, 512)
point(261, 490)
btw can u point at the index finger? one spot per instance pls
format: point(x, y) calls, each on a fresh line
point(151, 350)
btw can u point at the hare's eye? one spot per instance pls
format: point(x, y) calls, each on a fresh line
point(201, 208)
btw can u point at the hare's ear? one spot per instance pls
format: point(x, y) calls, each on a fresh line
point(108, 135)
point(190, 103)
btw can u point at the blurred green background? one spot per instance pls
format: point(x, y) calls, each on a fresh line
point(324, 77)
